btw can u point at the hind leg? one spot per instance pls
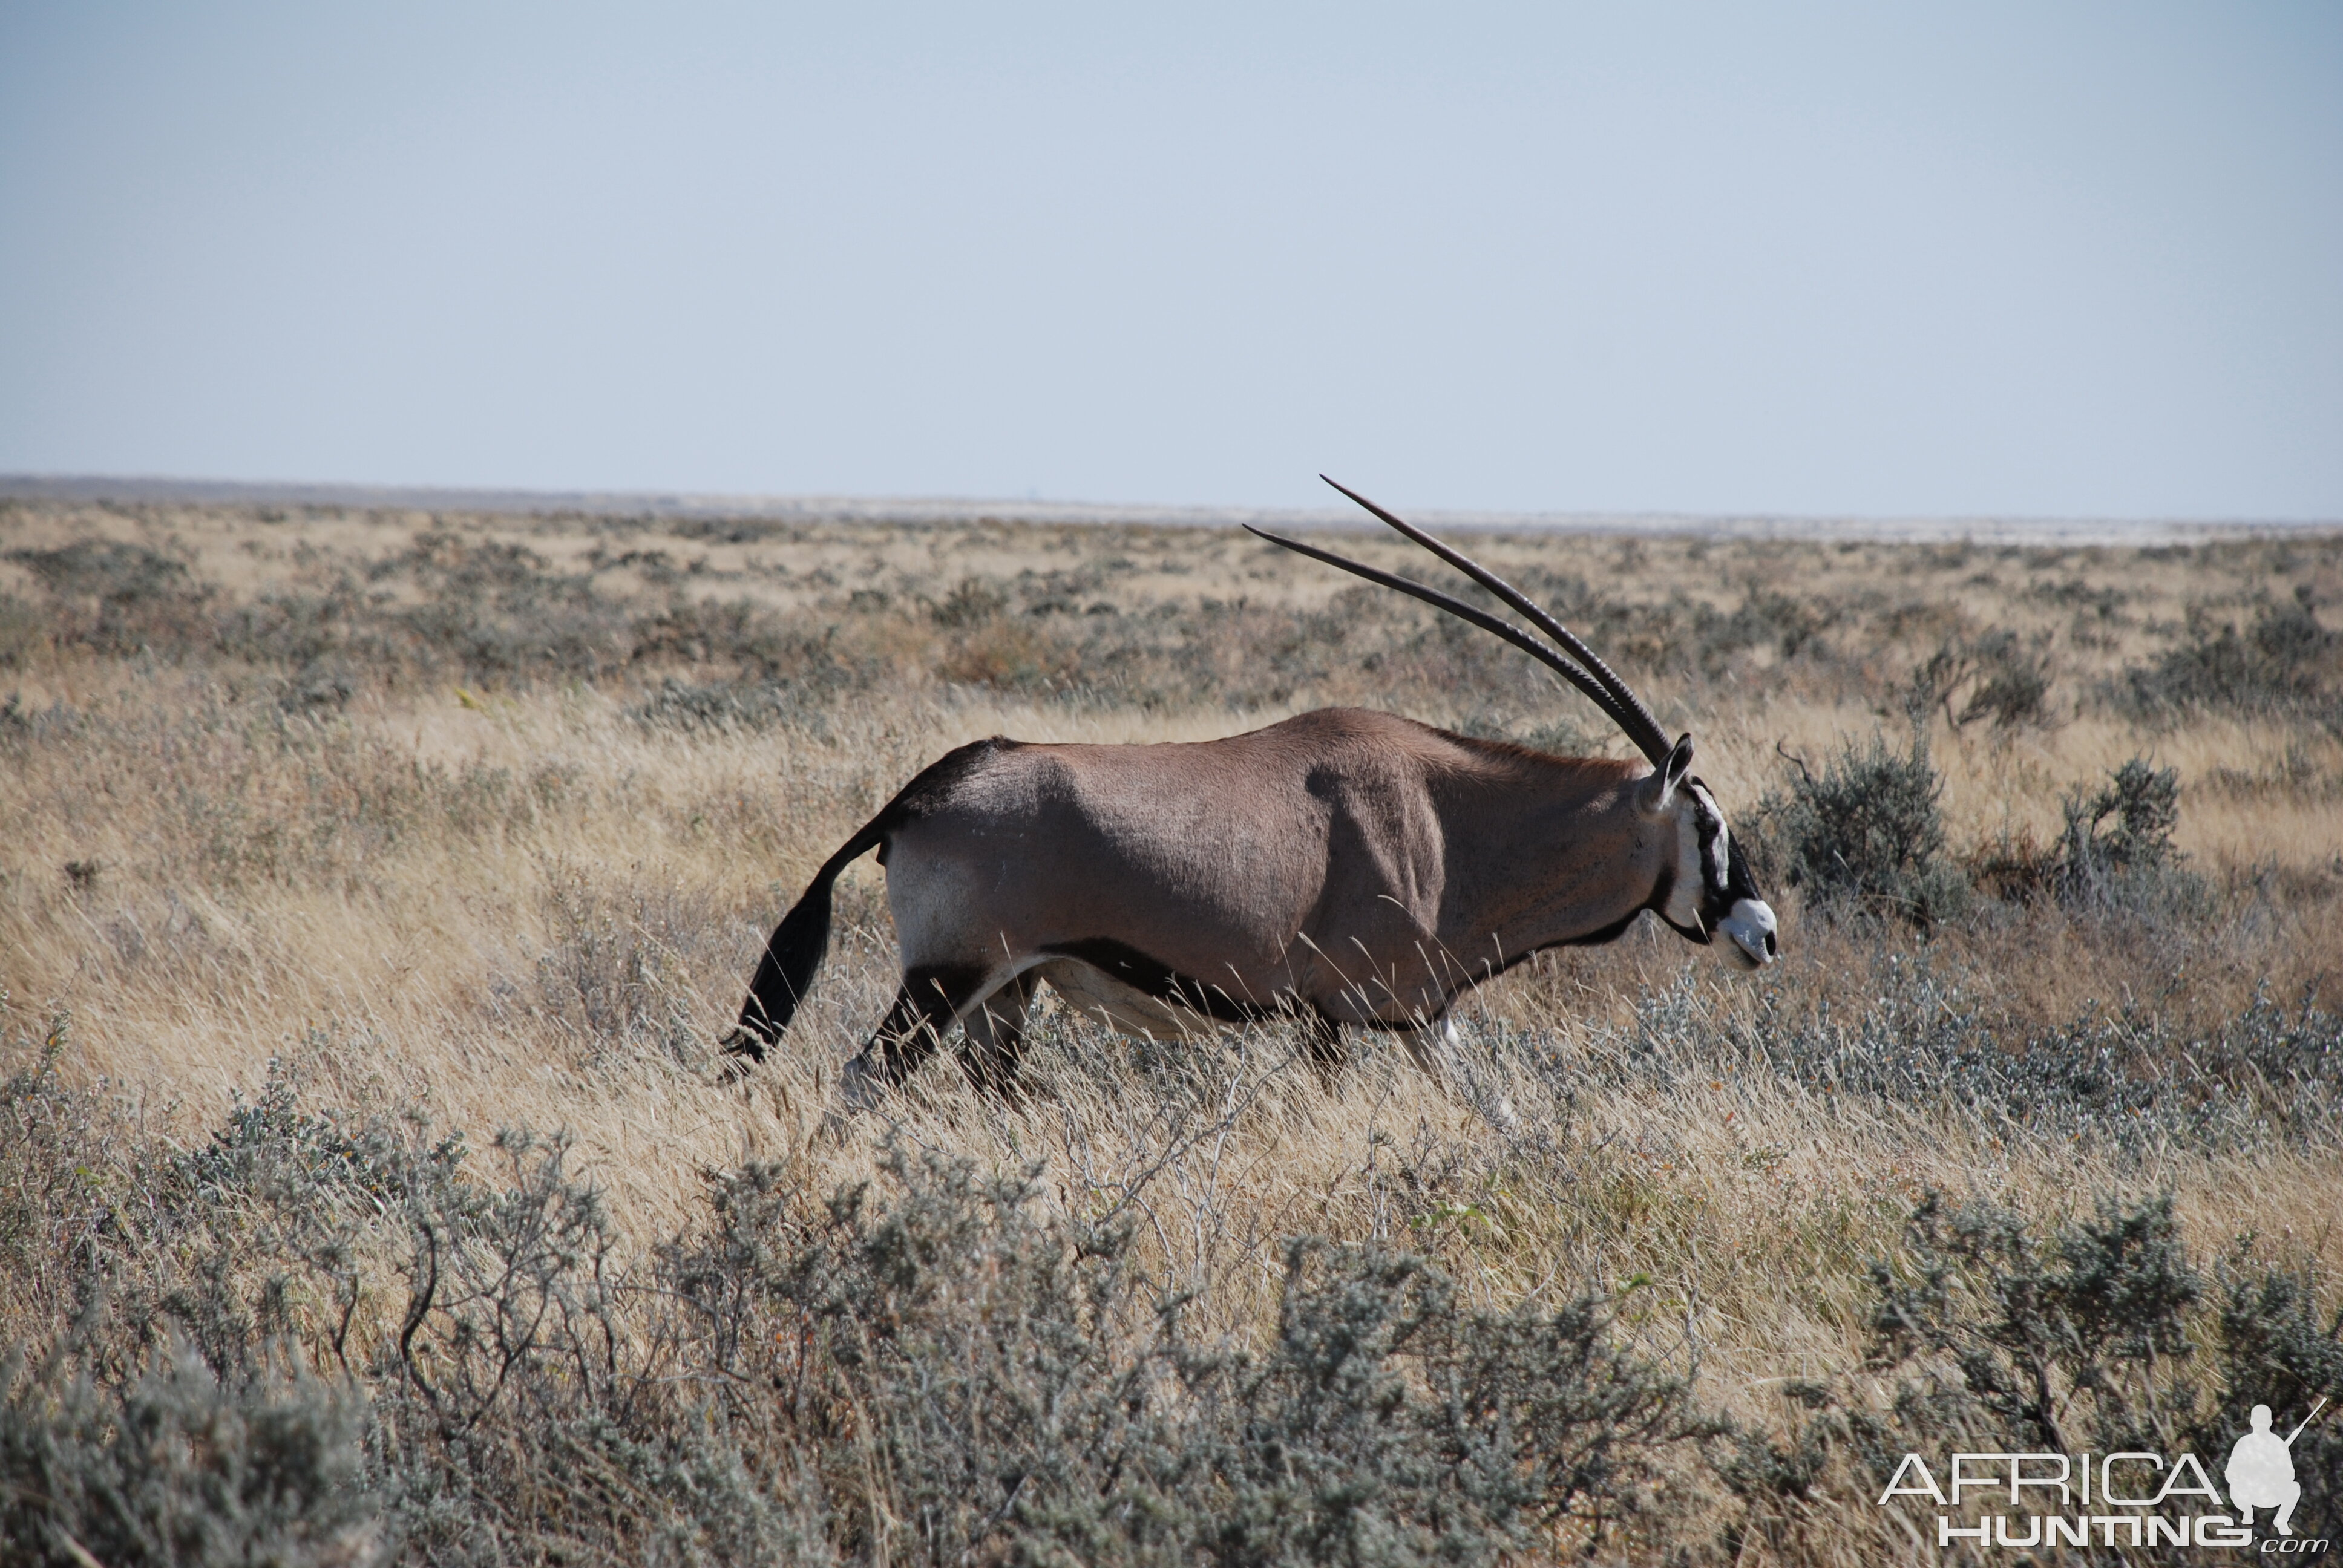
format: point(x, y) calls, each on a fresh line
point(931, 1001)
point(1322, 1043)
point(994, 1038)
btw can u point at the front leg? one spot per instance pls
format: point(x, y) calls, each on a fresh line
point(1432, 1045)
point(1322, 1043)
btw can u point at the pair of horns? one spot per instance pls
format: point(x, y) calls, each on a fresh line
point(1601, 684)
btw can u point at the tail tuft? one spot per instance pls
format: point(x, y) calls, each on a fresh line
point(793, 953)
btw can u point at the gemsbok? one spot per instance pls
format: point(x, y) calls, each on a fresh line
point(1344, 867)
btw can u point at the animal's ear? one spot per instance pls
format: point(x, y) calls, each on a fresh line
point(1659, 789)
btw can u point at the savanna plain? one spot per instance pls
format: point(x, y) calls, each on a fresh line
point(375, 888)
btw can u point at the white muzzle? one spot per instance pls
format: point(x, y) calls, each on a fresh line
point(1751, 927)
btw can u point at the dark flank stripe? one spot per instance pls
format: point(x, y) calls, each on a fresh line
point(1121, 961)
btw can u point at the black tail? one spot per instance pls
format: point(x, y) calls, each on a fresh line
point(794, 951)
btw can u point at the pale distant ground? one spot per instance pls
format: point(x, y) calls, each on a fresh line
point(2135, 531)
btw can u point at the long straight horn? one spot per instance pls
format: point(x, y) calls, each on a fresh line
point(1486, 622)
point(1628, 708)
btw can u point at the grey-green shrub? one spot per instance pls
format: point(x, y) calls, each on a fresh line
point(1992, 1331)
point(928, 1368)
point(2284, 660)
point(173, 1466)
point(1868, 834)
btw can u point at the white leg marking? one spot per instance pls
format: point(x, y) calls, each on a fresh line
point(1433, 1048)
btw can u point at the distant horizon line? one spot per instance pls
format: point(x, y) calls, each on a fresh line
point(498, 500)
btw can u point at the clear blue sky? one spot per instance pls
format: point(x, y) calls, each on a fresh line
point(1878, 258)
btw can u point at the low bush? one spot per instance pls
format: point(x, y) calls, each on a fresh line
point(1867, 835)
point(117, 598)
point(1010, 654)
point(176, 1465)
point(2284, 661)
point(749, 706)
point(108, 570)
point(497, 616)
point(1032, 1394)
point(932, 1371)
point(23, 629)
point(1997, 1332)
point(2117, 856)
point(2013, 683)
point(1996, 677)
point(317, 1340)
point(2047, 1346)
point(2114, 858)
point(972, 602)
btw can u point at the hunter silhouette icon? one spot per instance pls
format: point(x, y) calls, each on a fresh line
point(2261, 1469)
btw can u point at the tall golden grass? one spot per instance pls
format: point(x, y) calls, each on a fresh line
point(509, 900)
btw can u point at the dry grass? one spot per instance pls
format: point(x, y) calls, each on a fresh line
point(482, 884)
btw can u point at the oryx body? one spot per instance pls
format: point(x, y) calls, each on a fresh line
point(1345, 866)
